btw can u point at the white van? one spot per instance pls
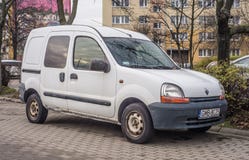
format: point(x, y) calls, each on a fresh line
point(118, 76)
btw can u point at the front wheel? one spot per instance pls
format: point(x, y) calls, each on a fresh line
point(200, 130)
point(136, 123)
point(35, 111)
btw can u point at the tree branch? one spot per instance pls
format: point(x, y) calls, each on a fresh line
point(239, 29)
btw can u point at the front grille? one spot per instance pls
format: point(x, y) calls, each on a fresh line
point(204, 99)
point(196, 121)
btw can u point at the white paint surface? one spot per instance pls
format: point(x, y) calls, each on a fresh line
point(89, 11)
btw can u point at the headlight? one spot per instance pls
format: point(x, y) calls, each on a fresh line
point(222, 90)
point(171, 93)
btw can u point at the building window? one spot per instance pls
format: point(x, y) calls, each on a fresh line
point(206, 36)
point(207, 20)
point(206, 3)
point(143, 19)
point(157, 25)
point(156, 8)
point(235, 20)
point(120, 3)
point(234, 52)
point(206, 52)
point(236, 3)
point(120, 20)
point(177, 20)
point(143, 3)
point(235, 37)
point(180, 36)
point(179, 3)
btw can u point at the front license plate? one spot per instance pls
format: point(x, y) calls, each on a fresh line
point(209, 113)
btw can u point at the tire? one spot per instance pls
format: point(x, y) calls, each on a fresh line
point(35, 111)
point(200, 130)
point(136, 123)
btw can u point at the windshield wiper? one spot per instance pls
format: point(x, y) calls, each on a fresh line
point(162, 67)
point(140, 66)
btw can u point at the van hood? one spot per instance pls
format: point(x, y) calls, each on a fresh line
point(193, 84)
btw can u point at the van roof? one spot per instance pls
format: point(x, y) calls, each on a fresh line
point(101, 30)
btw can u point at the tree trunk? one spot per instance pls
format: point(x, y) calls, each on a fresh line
point(61, 13)
point(223, 39)
point(15, 32)
point(223, 14)
point(192, 25)
point(74, 11)
point(3, 15)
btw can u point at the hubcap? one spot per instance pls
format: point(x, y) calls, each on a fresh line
point(34, 109)
point(135, 125)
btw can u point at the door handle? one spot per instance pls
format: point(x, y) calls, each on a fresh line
point(62, 76)
point(73, 76)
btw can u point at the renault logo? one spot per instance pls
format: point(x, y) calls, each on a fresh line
point(206, 91)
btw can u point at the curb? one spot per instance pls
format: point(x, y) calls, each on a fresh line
point(230, 131)
point(10, 100)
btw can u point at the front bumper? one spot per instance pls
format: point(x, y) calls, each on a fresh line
point(184, 116)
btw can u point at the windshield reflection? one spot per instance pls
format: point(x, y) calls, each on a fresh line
point(136, 53)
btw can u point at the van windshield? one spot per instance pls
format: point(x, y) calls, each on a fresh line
point(136, 53)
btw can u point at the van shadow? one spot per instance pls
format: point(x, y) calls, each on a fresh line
point(87, 126)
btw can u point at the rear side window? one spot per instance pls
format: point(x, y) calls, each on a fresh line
point(85, 51)
point(56, 52)
point(34, 51)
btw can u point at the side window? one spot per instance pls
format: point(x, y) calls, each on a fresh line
point(56, 52)
point(34, 50)
point(85, 51)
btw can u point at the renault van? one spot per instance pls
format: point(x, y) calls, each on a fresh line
point(117, 76)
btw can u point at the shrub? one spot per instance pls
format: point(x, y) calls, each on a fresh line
point(6, 90)
point(235, 82)
point(204, 62)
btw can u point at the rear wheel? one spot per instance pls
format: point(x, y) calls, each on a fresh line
point(35, 111)
point(200, 130)
point(136, 123)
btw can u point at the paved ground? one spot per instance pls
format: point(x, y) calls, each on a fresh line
point(67, 137)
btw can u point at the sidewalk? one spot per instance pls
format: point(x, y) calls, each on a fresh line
point(214, 129)
point(230, 131)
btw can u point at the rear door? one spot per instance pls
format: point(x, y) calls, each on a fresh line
point(54, 79)
point(91, 92)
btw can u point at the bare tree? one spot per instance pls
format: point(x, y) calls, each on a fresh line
point(226, 31)
point(19, 23)
point(5, 6)
point(183, 26)
point(61, 12)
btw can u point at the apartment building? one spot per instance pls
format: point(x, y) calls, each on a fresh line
point(166, 26)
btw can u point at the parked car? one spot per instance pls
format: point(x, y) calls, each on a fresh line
point(117, 76)
point(11, 69)
point(240, 62)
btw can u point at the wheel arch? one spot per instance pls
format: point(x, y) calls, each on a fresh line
point(28, 93)
point(127, 102)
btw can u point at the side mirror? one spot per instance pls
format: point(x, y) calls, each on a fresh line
point(99, 65)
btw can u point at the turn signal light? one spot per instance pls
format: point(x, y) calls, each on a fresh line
point(174, 100)
point(222, 97)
